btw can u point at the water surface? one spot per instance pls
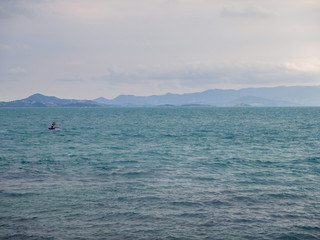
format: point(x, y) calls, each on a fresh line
point(160, 173)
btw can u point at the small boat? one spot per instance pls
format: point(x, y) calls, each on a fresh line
point(53, 128)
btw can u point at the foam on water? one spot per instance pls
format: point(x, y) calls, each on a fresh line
point(160, 173)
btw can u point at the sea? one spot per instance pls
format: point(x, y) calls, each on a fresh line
point(160, 173)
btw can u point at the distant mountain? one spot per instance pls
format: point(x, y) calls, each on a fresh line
point(39, 100)
point(45, 99)
point(101, 100)
point(257, 102)
point(276, 96)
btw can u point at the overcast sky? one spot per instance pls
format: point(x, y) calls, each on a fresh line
point(85, 49)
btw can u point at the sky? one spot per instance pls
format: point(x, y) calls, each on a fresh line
point(85, 49)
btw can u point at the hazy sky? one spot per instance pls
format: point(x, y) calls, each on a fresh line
point(85, 49)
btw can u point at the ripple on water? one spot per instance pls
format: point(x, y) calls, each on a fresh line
point(156, 173)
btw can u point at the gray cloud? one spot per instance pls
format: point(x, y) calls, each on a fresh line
point(17, 71)
point(5, 47)
point(247, 12)
point(206, 76)
point(178, 45)
point(68, 80)
point(15, 8)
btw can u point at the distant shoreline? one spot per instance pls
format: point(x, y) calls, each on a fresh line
point(247, 97)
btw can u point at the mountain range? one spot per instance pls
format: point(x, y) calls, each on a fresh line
point(275, 96)
point(39, 100)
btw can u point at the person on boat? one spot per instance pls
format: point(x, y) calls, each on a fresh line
point(53, 125)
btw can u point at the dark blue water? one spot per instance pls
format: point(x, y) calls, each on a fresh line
point(160, 173)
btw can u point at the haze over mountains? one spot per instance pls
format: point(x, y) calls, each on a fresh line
point(39, 100)
point(276, 96)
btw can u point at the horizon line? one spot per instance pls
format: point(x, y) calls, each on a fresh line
point(212, 89)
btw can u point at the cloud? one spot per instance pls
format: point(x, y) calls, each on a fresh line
point(14, 8)
point(76, 43)
point(17, 71)
point(242, 75)
point(5, 47)
point(68, 80)
point(311, 65)
point(85, 9)
point(72, 63)
point(246, 12)
point(206, 76)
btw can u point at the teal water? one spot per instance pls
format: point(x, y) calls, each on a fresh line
point(160, 173)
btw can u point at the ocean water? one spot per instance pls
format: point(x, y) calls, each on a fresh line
point(160, 173)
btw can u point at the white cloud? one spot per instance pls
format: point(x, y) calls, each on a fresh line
point(304, 65)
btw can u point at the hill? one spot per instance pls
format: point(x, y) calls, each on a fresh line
point(39, 100)
point(271, 97)
point(277, 96)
